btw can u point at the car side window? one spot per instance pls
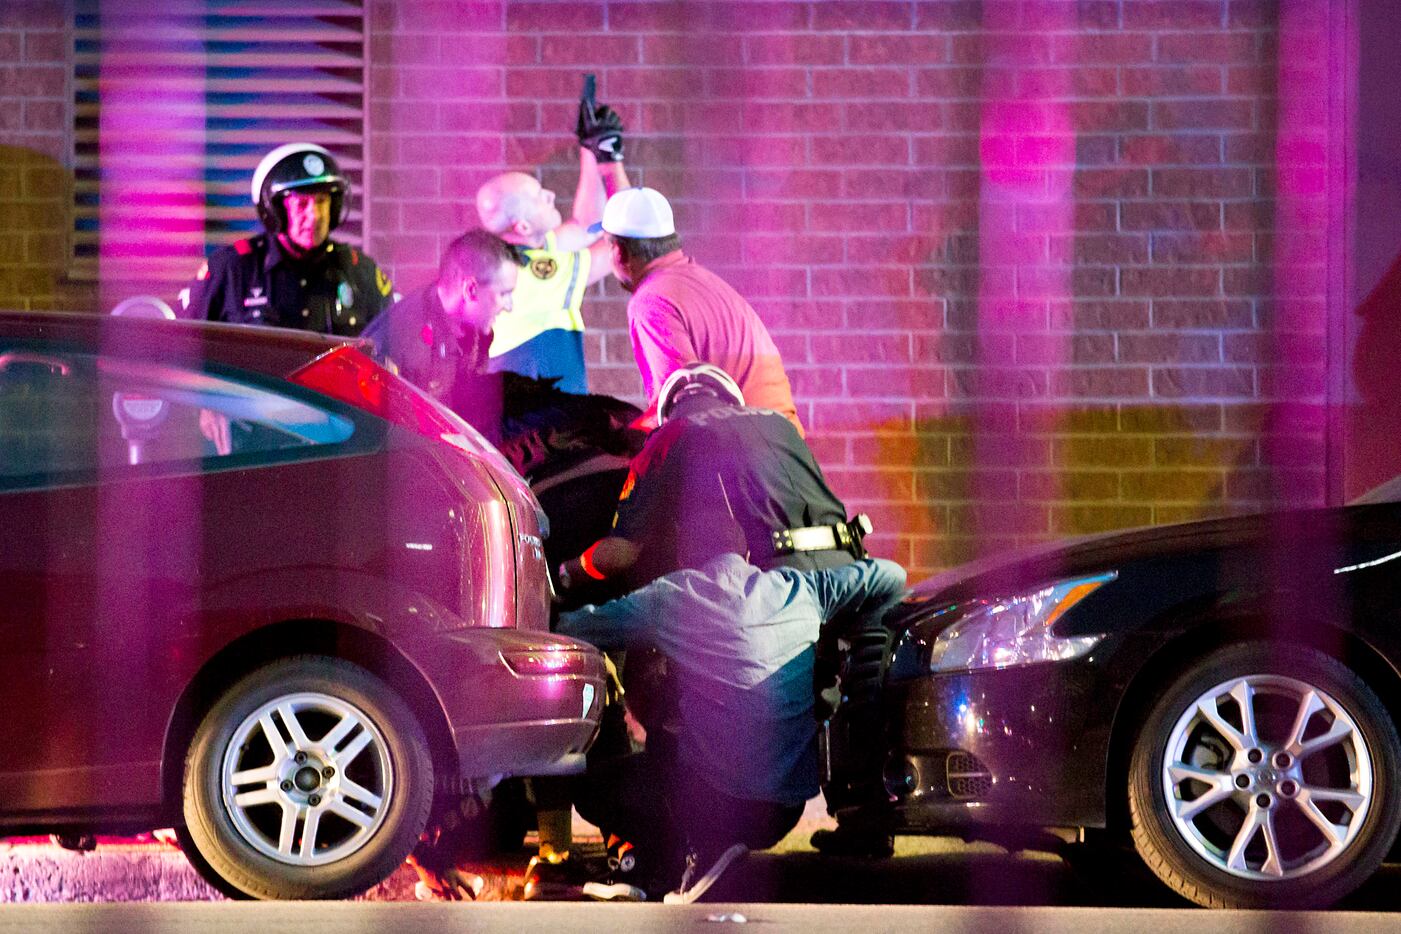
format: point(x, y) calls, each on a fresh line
point(64, 413)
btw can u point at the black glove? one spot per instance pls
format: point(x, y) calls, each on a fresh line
point(600, 130)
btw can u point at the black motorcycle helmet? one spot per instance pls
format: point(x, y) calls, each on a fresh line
point(301, 166)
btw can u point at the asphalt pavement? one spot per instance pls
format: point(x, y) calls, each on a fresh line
point(379, 918)
point(931, 884)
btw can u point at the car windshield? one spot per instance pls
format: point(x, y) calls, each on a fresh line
point(1388, 492)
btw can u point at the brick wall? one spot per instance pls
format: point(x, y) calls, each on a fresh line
point(1037, 267)
point(35, 152)
point(1021, 258)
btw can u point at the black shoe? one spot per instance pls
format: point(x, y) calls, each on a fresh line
point(610, 875)
point(864, 843)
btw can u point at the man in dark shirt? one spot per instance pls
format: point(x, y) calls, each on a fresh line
point(715, 477)
point(293, 275)
point(438, 337)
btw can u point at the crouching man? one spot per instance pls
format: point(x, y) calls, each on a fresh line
point(734, 765)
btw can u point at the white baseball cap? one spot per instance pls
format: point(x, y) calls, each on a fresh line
point(637, 212)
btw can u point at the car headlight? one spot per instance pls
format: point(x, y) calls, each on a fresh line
point(1016, 630)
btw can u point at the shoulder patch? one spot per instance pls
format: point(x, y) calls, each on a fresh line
point(354, 257)
point(382, 282)
point(243, 247)
point(653, 453)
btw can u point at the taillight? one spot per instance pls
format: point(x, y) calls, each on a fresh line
point(351, 377)
point(551, 661)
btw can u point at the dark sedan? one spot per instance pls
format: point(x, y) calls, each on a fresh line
point(254, 586)
point(1222, 694)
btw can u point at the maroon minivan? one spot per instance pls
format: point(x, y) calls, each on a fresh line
point(255, 586)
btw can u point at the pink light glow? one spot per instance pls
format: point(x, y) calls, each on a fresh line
point(1308, 77)
point(145, 124)
point(1026, 207)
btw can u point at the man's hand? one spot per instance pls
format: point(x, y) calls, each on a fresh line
point(600, 129)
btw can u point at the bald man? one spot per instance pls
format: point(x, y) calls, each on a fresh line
point(543, 337)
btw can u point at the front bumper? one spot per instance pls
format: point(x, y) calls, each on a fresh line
point(1018, 747)
point(503, 723)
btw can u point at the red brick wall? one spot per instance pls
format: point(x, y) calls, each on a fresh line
point(35, 147)
point(1019, 257)
point(1036, 268)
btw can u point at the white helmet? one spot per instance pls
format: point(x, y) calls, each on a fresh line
point(693, 378)
point(293, 166)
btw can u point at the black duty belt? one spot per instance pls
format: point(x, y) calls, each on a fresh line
point(839, 536)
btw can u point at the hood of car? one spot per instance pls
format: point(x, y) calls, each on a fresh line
point(1009, 572)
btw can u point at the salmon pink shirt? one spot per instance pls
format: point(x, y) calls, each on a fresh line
point(682, 313)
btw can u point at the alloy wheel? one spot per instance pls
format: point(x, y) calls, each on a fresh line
point(1267, 777)
point(307, 779)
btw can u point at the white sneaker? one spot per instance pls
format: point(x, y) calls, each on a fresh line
point(614, 892)
point(688, 893)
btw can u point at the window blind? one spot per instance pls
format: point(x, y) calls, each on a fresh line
point(175, 103)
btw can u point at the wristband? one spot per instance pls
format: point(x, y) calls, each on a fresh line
point(587, 565)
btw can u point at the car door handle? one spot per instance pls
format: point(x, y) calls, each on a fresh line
point(54, 365)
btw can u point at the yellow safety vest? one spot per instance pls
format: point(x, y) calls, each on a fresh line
point(548, 296)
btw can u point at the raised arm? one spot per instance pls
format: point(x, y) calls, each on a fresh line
point(601, 174)
point(589, 199)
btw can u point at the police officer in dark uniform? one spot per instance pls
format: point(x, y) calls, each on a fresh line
point(437, 338)
point(715, 477)
point(714, 464)
point(293, 275)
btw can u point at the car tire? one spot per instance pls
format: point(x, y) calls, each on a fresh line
point(201, 866)
point(1292, 807)
point(331, 812)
